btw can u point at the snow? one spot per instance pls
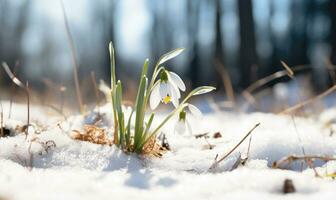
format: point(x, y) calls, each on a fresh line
point(82, 170)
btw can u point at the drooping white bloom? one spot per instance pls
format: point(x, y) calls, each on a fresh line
point(183, 124)
point(167, 89)
point(194, 111)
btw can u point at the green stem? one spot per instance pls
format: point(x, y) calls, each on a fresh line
point(180, 107)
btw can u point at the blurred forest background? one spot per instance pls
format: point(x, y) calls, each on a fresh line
point(246, 38)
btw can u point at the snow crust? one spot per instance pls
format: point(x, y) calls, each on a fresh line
point(82, 170)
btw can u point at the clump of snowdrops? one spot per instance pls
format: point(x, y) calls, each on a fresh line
point(164, 86)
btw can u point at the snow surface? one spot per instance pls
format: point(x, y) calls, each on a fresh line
point(82, 170)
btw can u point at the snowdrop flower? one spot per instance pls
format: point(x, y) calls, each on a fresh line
point(167, 89)
point(183, 124)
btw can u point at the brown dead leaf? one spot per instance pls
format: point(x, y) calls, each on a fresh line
point(21, 129)
point(149, 146)
point(92, 134)
point(153, 148)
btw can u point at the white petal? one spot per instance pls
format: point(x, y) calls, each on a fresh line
point(180, 127)
point(173, 88)
point(174, 95)
point(188, 126)
point(155, 97)
point(177, 80)
point(177, 91)
point(163, 90)
point(195, 111)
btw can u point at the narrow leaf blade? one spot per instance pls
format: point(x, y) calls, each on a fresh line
point(170, 55)
point(118, 102)
point(128, 130)
point(145, 68)
point(202, 90)
point(140, 112)
point(112, 60)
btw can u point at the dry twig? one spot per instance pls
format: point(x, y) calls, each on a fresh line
point(291, 75)
point(52, 87)
point(215, 164)
point(247, 93)
point(201, 135)
point(309, 101)
point(285, 162)
point(17, 82)
point(46, 146)
point(12, 91)
point(226, 80)
point(74, 59)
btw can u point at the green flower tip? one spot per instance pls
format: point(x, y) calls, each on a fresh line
point(164, 76)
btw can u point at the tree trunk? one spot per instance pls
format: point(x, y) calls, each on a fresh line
point(193, 8)
point(332, 7)
point(247, 53)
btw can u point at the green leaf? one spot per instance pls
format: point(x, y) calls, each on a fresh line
point(170, 55)
point(145, 135)
point(145, 68)
point(112, 60)
point(113, 91)
point(148, 125)
point(128, 130)
point(118, 102)
point(118, 98)
point(115, 118)
point(202, 90)
point(122, 130)
point(198, 91)
point(140, 111)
